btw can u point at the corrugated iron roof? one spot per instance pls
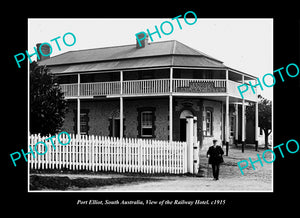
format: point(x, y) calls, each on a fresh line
point(157, 54)
point(114, 53)
point(139, 63)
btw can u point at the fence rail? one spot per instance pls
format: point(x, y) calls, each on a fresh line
point(100, 153)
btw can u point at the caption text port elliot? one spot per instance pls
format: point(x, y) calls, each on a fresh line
point(150, 202)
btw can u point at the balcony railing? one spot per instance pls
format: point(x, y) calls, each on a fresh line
point(91, 89)
point(153, 86)
point(98, 89)
point(69, 90)
point(199, 85)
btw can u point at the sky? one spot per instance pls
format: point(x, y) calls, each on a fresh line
point(242, 44)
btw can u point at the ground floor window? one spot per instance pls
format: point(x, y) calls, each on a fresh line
point(84, 121)
point(146, 119)
point(146, 123)
point(208, 128)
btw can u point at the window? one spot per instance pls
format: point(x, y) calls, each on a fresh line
point(208, 122)
point(146, 123)
point(146, 118)
point(84, 123)
point(84, 120)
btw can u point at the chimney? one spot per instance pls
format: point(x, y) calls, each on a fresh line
point(45, 50)
point(144, 42)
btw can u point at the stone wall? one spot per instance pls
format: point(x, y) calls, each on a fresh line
point(101, 111)
point(161, 116)
point(217, 123)
point(98, 113)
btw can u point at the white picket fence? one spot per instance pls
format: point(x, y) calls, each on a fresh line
point(100, 153)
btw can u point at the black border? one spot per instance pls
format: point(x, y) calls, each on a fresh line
point(286, 110)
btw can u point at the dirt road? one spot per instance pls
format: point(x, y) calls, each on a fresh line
point(230, 178)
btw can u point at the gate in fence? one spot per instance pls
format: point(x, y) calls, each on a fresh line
point(101, 153)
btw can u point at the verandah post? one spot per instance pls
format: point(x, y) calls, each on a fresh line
point(243, 119)
point(78, 104)
point(196, 148)
point(171, 106)
point(189, 141)
point(236, 124)
point(256, 125)
point(121, 105)
point(227, 125)
point(227, 117)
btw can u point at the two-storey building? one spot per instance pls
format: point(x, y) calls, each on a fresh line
point(148, 91)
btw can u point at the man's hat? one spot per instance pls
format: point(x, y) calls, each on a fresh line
point(215, 140)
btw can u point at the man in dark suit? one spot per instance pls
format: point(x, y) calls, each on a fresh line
point(214, 155)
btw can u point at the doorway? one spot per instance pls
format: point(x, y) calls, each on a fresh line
point(182, 125)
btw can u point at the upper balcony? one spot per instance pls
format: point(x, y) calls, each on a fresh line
point(157, 83)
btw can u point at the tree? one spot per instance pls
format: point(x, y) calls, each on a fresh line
point(264, 116)
point(47, 104)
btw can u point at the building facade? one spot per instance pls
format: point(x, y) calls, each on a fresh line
point(148, 91)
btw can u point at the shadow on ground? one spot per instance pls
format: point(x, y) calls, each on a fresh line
point(64, 182)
